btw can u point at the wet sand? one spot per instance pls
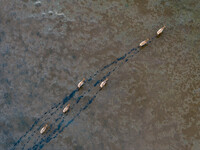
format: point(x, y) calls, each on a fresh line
point(151, 101)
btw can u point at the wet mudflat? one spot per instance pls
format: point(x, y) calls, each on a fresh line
point(151, 100)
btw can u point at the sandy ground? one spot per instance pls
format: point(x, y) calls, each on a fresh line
point(151, 101)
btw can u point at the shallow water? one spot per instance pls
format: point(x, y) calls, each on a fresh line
point(151, 101)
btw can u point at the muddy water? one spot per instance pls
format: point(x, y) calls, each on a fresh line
point(151, 101)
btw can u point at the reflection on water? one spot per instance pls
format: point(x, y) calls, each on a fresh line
point(151, 100)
